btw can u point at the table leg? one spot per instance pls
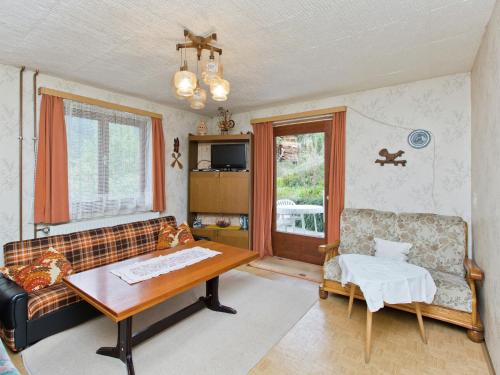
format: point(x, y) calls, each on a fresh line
point(368, 344)
point(351, 300)
point(212, 297)
point(420, 322)
point(123, 348)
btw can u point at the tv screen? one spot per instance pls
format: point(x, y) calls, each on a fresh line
point(228, 156)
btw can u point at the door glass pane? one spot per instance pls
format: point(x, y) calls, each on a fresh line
point(300, 184)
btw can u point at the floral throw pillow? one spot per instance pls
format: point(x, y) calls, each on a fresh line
point(170, 236)
point(47, 270)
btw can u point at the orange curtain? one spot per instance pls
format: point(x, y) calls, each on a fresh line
point(51, 181)
point(263, 181)
point(158, 165)
point(336, 177)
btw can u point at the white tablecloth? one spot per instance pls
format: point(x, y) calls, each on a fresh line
point(153, 267)
point(387, 280)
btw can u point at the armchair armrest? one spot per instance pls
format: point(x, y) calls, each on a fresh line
point(473, 270)
point(330, 250)
point(13, 304)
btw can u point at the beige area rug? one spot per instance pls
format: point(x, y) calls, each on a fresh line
point(205, 343)
point(307, 271)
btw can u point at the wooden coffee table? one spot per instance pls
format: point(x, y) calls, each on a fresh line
point(120, 301)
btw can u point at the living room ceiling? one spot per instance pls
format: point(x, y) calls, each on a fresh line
point(274, 51)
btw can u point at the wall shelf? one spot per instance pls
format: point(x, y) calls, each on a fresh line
point(220, 138)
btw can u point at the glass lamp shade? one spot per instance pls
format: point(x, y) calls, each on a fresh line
point(185, 82)
point(198, 99)
point(174, 90)
point(219, 88)
point(211, 70)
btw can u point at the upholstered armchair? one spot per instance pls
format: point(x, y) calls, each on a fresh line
point(439, 245)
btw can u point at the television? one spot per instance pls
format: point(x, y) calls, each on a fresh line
point(228, 156)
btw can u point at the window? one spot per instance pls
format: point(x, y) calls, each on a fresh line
point(109, 161)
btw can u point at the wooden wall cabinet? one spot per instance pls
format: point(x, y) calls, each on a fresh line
point(233, 192)
point(204, 192)
point(221, 193)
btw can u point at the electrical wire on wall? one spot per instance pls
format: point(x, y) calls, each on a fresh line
point(384, 123)
point(35, 141)
point(20, 171)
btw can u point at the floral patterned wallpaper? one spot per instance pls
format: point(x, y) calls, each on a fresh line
point(176, 123)
point(486, 179)
point(436, 179)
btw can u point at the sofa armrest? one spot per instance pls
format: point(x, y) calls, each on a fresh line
point(330, 250)
point(13, 304)
point(473, 270)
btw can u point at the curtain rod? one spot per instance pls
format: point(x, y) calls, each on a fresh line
point(299, 115)
point(100, 103)
point(303, 120)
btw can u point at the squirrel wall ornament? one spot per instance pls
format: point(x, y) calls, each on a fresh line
point(391, 158)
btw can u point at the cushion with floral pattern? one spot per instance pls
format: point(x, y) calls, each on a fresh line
point(170, 236)
point(47, 270)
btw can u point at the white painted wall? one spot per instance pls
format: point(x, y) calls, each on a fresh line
point(486, 179)
point(436, 179)
point(176, 123)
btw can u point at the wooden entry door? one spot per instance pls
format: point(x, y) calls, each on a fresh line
point(300, 183)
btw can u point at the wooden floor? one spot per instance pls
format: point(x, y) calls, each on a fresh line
point(325, 341)
point(289, 267)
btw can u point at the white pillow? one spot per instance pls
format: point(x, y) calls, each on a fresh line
point(392, 249)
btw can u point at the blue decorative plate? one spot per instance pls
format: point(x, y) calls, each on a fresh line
point(419, 138)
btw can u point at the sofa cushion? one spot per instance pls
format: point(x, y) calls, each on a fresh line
point(45, 271)
point(359, 227)
point(452, 291)
point(170, 236)
point(50, 299)
point(438, 241)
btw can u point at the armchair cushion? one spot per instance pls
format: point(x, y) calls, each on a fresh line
point(452, 291)
point(438, 241)
point(359, 227)
point(331, 269)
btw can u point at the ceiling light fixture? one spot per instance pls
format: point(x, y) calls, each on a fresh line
point(186, 84)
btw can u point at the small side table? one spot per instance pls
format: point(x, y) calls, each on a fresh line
point(383, 280)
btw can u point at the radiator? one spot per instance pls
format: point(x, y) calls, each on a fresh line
point(78, 226)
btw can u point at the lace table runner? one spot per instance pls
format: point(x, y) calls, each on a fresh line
point(147, 269)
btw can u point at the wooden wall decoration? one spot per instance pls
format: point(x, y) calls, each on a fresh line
point(391, 158)
point(176, 155)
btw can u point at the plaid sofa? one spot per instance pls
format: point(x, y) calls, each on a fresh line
point(26, 318)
